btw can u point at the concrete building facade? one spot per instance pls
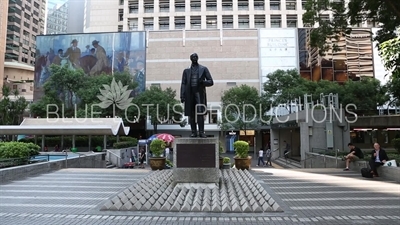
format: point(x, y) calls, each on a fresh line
point(25, 21)
point(3, 36)
point(66, 18)
point(230, 55)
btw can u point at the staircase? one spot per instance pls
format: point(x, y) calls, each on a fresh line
point(288, 164)
point(109, 165)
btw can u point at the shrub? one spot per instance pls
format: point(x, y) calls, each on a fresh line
point(226, 160)
point(80, 141)
point(157, 147)
point(124, 144)
point(15, 149)
point(241, 149)
point(396, 144)
point(221, 148)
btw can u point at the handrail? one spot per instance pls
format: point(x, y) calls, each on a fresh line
point(118, 157)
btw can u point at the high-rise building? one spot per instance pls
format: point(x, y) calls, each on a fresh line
point(193, 14)
point(65, 18)
point(3, 35)
point(25, 20)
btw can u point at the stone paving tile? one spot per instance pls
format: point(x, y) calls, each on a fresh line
point(73, 196)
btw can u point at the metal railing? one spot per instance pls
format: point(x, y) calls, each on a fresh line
point(324, 153)
point(109, 153)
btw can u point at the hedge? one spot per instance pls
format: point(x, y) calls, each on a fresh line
point(13, 149)
point(81, 141)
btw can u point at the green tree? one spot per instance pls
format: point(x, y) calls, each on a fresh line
point(241, 108)
point(74, 94)
point(285, 86)
point(160, 105)
point(11, 110)
point(386, 13)
point(389, 51)
point(366, 95)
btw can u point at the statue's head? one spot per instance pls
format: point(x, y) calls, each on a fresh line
point(194, 58)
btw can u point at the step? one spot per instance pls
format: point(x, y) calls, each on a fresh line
point(289, 164)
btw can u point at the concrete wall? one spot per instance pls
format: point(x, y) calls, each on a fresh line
point(311, 133)
point(119, 157)
point(315, 160)
point(392, 121)
point(230, 55)
point(21, 172)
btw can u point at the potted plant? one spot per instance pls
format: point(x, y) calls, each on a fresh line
point(242, 159)
point(226, 163)
point(156, 161)
point(221, 150)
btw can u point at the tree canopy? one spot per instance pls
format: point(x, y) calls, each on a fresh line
point(11, 110)
point(241, 108)
point(390, 52)
point(161, 105)
point(284, 87)
point(385, 13)
point(75, 93)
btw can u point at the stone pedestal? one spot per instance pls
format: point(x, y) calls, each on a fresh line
point(196, 160)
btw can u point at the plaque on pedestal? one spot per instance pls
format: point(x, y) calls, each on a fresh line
point(196, 160)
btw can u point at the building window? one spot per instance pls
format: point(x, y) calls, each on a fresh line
point(290, 4)
point(164, 6)
point(324, 17)
point(179, 22)
point(121, 2)
point(120, 28)
point(133, 24)
point(243, 21)
point(148, 23)
point(227, 21)
point(275, 5)
point(179, 5)
point(211, 22)
point(133, 7)
point(259, 5)
point(227, 5)
point(211, 5)
point(259, 21)
point(163, 23)
point(120, 15)
point(195, 5)
point(276, 21)
point(195, 22)
point(148, 7)
point(243, 5)
point(291, 20)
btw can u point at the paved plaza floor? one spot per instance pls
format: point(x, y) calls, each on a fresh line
point(308, 196)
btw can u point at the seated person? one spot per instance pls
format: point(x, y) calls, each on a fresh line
point(354, 155)
point(378, 158)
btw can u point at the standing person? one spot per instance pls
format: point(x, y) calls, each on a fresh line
point(287, 149)
point(354, 155)
point(74, 53)
point(142, 158)
point(261, 157)
point(378, 158)
point(167, 153)
point(268, 154)
point(102, 60)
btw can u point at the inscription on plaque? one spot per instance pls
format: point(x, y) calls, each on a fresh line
point(195, 156)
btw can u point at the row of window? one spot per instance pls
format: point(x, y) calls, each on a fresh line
point(212, 22)
point(211, 5)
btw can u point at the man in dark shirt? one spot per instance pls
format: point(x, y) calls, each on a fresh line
point(354, 155)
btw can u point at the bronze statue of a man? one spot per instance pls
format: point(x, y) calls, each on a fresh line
point(193, 94)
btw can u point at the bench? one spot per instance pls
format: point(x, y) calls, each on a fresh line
point(389, 173)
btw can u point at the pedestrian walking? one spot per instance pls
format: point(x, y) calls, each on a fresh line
point(261, 157)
